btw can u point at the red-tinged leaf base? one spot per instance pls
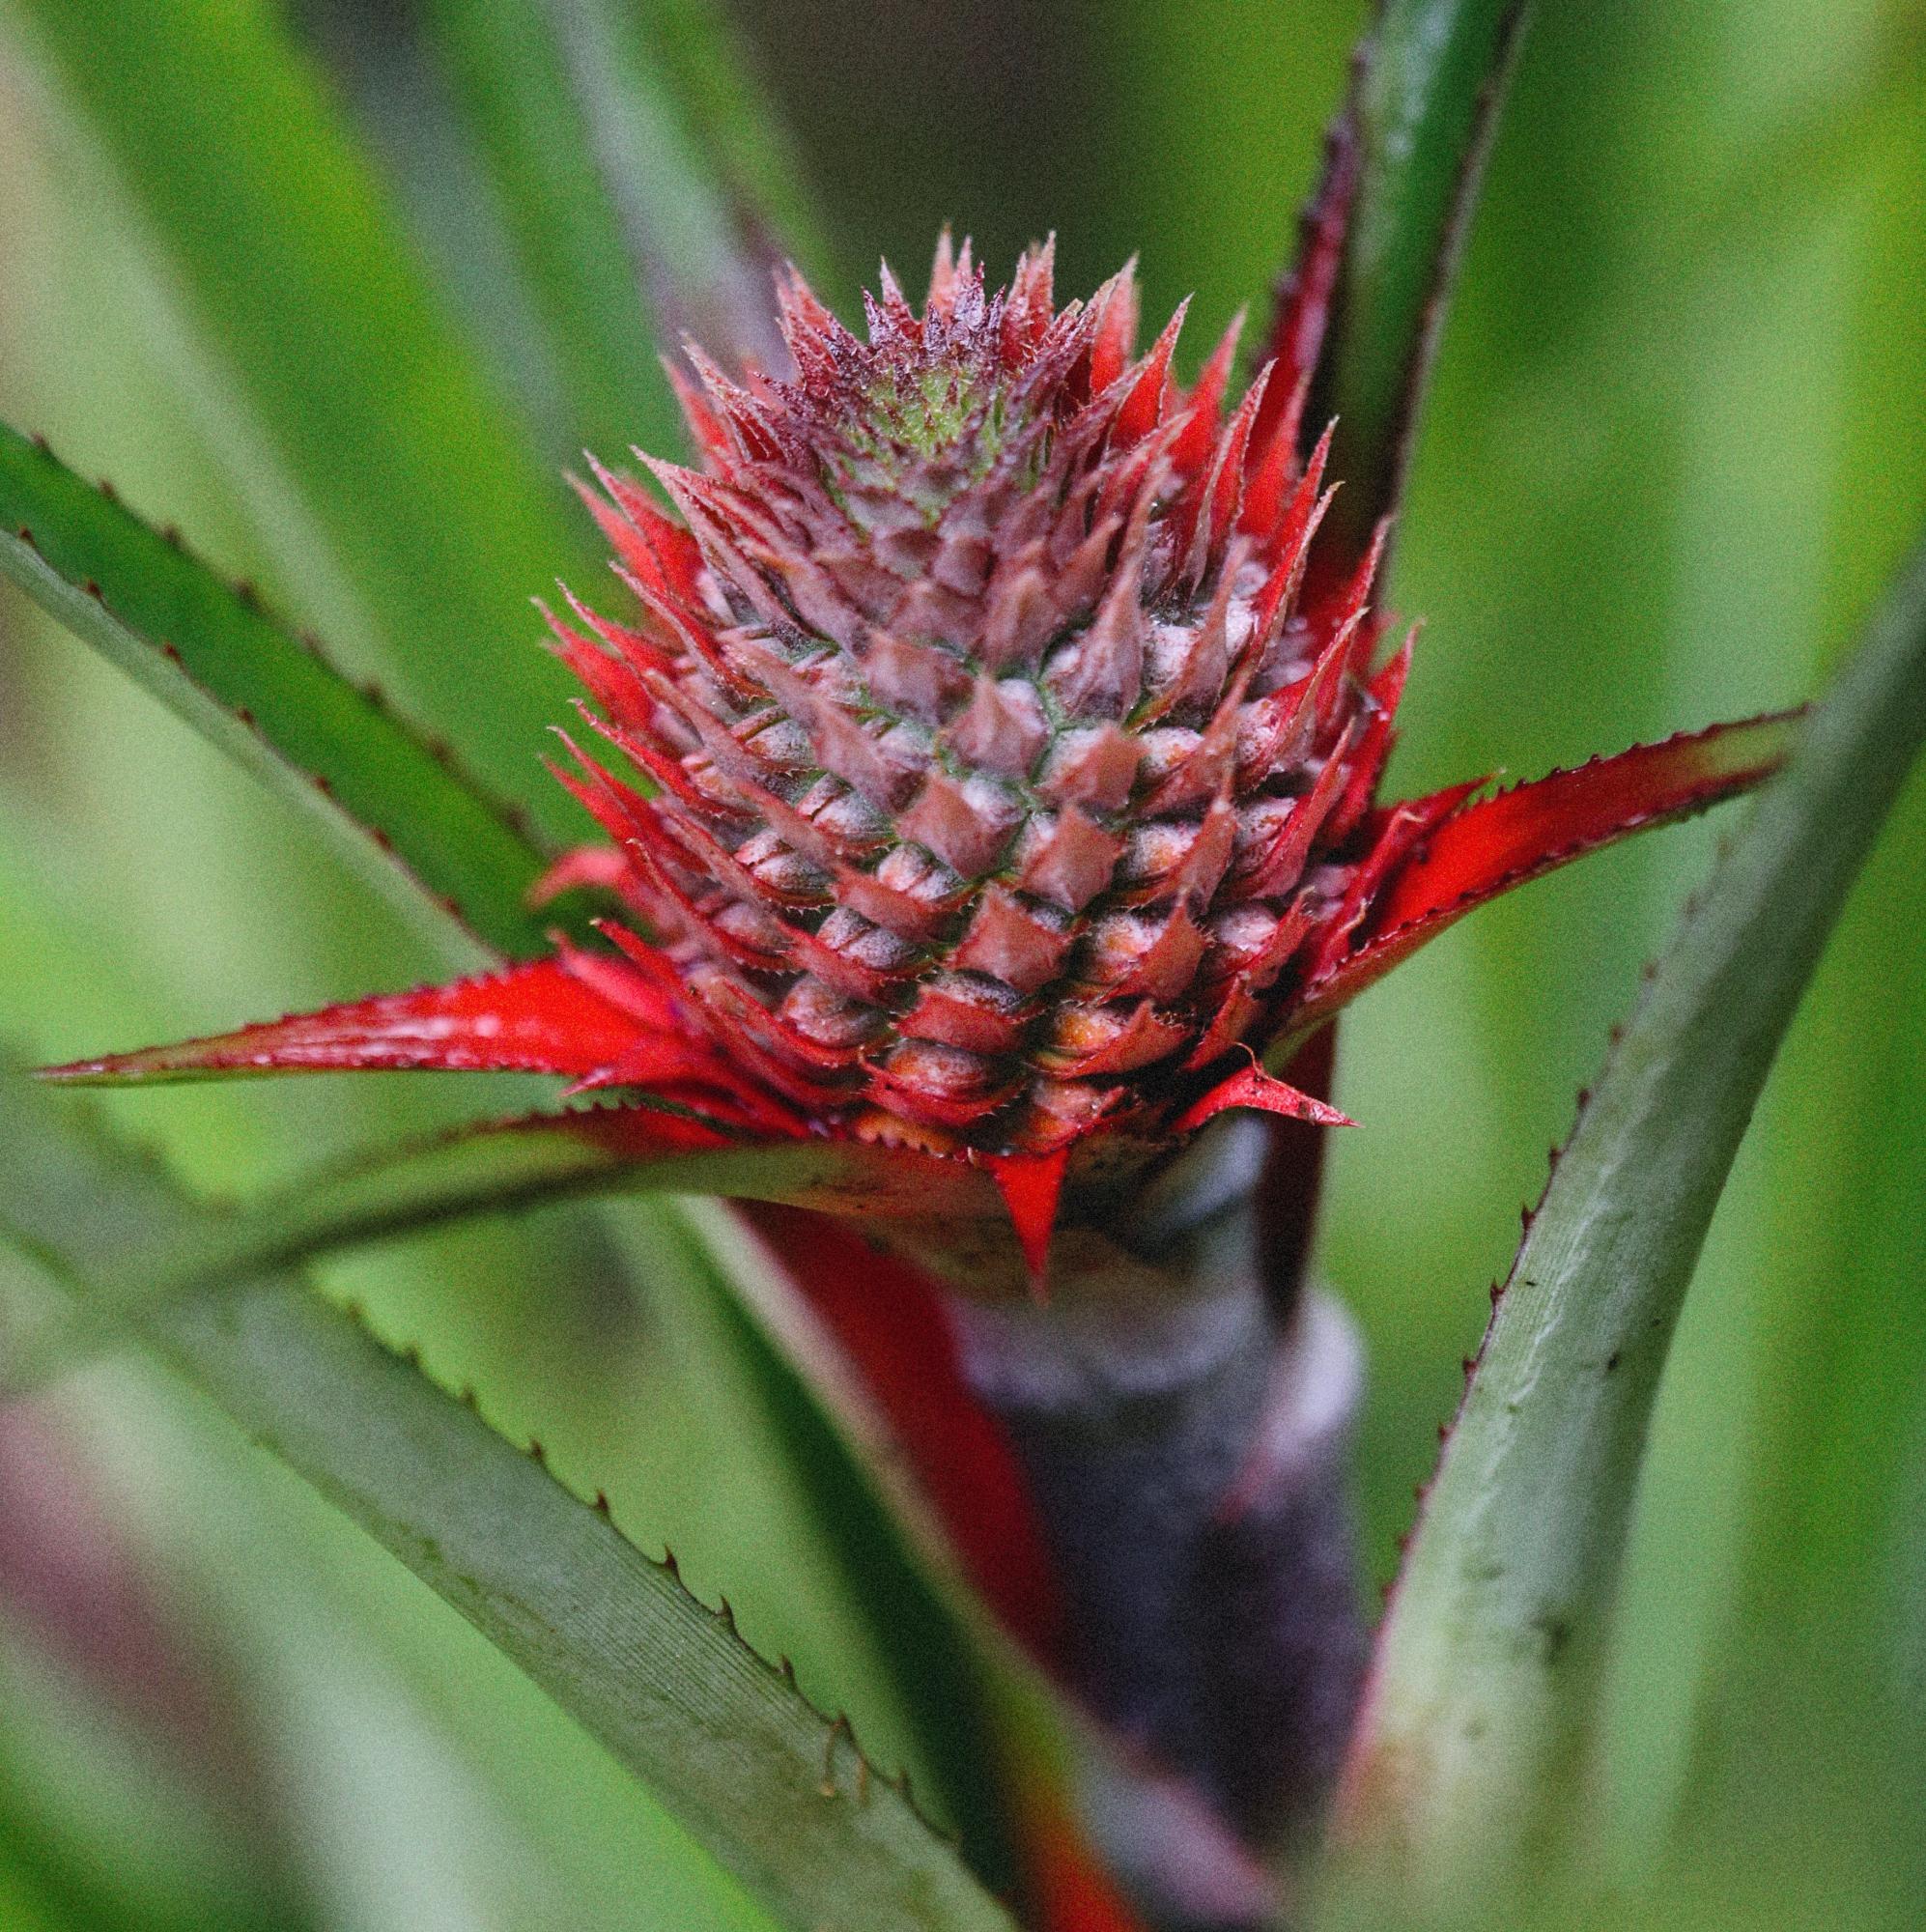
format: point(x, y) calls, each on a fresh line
point(1294, 1173)
point(611, 1149)
point(1532, 827)
point(600, 1021)
point(888, 1318)
point(609, 1022)
point(531, 1019)
point(1069, 1889)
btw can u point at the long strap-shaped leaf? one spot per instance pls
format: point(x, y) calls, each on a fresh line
point(398, 809)
point(540, 1160)
point(400, 500)
point(549, 1158)
point(737, 122)
point(670, 211)
point(1424, 103)
point(773, 1789)
point(1486, 1671)
point(576, 270)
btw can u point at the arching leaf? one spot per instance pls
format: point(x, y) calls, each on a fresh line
point(775, 1789)
point(398, 809)
point(1480, 1699)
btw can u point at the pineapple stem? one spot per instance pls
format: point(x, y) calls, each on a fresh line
point(1188, 1460)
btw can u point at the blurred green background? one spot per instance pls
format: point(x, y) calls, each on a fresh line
point(1678, 441)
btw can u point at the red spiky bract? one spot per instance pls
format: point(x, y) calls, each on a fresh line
point(989, 758)
point(997, 781)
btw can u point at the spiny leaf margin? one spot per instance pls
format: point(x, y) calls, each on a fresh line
point(768, 1784)
point(394, 803)
point(1485, 1682)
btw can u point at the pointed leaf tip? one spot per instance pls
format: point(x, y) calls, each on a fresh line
point(1469, 854)
point(1533, 826)
point(1031, 1185)
point(1252, 1087)
point(536, 1018)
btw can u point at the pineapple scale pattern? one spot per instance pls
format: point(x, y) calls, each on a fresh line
point(1006, 777)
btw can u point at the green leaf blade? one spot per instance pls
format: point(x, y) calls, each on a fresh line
point(772, 1787)
point(640, 177)
point(698, 204)
point(391, 802)
point(1486, 1673)
point(575, 262)
point(736, 119)
point(769, 1785)
point(546, 1158)
point(1422, 107)
point(397, 494)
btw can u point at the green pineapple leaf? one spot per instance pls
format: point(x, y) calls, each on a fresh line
point(1486, 1676)
point(1423, 107)
point(402, 812)
point(537, 1161)
point(644, 186)
point(773, 1789)
point(734, 117)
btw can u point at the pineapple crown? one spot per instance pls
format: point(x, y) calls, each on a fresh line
point(1003, 777)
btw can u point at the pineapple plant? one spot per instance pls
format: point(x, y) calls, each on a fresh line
point(987, 760)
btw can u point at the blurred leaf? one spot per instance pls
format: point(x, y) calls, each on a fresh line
point(544, 1158)
point(583, 281)
point(754, 1343)
point(405, 817)
point(47, 1885)
point(774, 1790)
point(1002, 1738)
point(113, 1824)
point(738, 124)
point(393, 488)
point(594, 139)
point(1422, 107)
point(1486, 1677)
point(764, 1360)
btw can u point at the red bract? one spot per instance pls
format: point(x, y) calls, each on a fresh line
point(980, 777)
